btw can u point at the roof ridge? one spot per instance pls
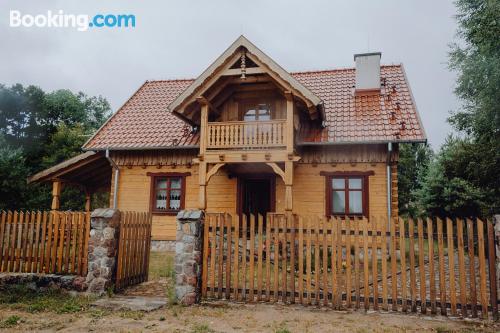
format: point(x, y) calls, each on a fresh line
point(327, 70)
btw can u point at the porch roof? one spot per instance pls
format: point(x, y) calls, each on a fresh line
point(90, 170)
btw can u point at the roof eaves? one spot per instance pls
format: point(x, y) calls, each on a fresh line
point(111, 148)
point(414, 103)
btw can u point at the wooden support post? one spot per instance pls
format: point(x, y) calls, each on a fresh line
point(203, 186)
point(87, 200)
point(56, 194)
point(288, 186)
point(203, 124)
point(289, 122)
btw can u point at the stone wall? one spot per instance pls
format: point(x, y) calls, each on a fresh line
point(188, 256)
point(103, 249)
point(162, 245)
point(38, 281)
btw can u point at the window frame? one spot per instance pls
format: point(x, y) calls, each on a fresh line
point(252, 103)
point(153, 190)
point(345, 175)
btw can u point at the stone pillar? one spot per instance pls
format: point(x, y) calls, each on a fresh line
point(188, 256)
point(103, 249)
point(497, 242)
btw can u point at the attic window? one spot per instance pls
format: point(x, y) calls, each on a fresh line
point(257, 112)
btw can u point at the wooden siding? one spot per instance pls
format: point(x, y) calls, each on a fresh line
point(308, 191)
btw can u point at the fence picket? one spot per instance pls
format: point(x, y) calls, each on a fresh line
point(268, 258)
point(229, 226)
point(442, 281)
point(317, 269)
point(413, 286)
point(276, 258)
point(472, 268)
point(384, 253)
point(3, 216)
point(394, 259)
point(356, 264)
point(340, 275)
point(402, 250)
point(236, 277)
point(252, 257)
point(492, 270)
point(259, 256)
point(374, 263)
point(461, 268)
point(213, 244)
point(301, 260)
point(421, 266)
point(482, 269)
point(292, 222)
point(308, 260)
point(451, 266)
point(432, 274)
point(220, 258)
point(366, 263)
point(348, 262)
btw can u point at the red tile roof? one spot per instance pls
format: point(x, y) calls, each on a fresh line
point(144, 122)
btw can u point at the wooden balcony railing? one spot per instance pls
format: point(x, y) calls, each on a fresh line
point(246, 134)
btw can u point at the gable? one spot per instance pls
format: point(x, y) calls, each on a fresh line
point(244, 60)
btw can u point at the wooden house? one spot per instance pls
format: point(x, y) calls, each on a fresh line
point(246, 136)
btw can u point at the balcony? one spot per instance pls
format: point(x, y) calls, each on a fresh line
point(246, 135)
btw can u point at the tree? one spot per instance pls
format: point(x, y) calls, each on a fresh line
point(39, 130)
point(13, 175)
point(444, 192)
point(476, 59)
point(414, 160)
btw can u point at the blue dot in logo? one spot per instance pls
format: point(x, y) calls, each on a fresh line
point(91, 24)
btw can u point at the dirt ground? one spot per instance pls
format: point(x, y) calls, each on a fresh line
point(239, 318)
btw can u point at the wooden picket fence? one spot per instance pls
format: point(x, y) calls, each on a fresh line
point(44, 242)
point(406, 265)
point(133, 249)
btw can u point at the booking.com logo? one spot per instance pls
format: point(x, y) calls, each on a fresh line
point(81, 22)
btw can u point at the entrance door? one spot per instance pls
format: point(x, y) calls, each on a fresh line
point(256, 195)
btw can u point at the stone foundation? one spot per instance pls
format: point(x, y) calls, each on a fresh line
point(188, 256)
point(103, 247)
point(37, 281)
point(163, 245)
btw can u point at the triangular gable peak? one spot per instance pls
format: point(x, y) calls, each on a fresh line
point(241, 66)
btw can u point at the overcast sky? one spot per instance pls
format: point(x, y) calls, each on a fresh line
point(179, 39)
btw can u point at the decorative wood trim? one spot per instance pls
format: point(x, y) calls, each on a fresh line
point(168, 174)
point(214, 170)
point(277, 170)
point(347, 173)
point(364, 175)
point(154, 176)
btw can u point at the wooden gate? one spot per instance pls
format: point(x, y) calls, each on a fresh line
point(412, 265)
point(44, 242)
point(133, 249)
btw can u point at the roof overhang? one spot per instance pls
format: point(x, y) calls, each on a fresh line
point(223, 64)
point(90, 170)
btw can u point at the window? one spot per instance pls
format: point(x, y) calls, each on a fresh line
point(167, 192)
point(347, 193)
point(257, 112)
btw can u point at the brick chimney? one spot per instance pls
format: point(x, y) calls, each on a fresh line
point(367, 71)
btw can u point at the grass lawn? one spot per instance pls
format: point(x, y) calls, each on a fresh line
point(161, 265)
